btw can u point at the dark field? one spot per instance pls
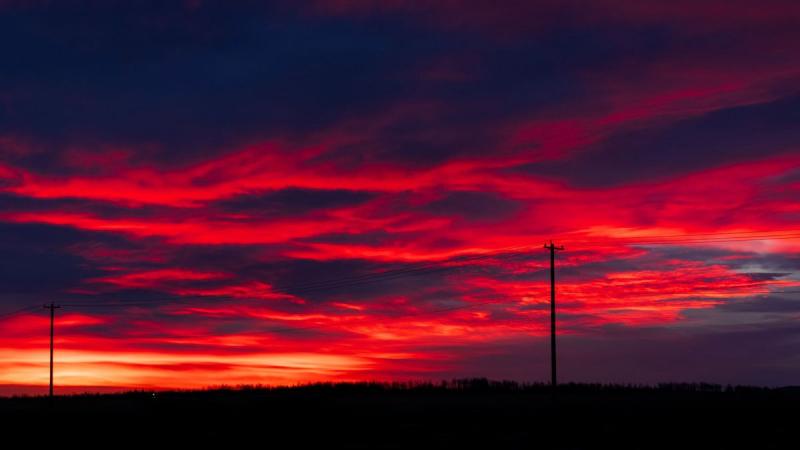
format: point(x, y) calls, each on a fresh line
point(455, 414)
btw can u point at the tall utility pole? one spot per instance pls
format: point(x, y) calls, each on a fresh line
point(52, 307)
point(553, 248)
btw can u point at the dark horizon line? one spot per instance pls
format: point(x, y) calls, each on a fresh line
point(453, 384)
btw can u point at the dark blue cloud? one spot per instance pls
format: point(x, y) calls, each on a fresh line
point(292, 202)
point(778, 303)
point(17, 203)
point(176, 83)
point(724, 136)
point(729, 355)
point(37, 260)
point(474, 206)
point(138, 76)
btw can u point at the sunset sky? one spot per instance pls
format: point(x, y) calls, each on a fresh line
point(251, 192)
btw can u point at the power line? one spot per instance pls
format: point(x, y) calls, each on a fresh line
point(463, 307)
point(393, 274)
point(432, 267)
point(456, 262)
point(317, 326)
point(730, 239)
point(687, 240)
point(18, 311)
point(700, 292)
point(715, 233)
point(519, 250)
point(427, 268)
point(285, 329)
point(498, 253)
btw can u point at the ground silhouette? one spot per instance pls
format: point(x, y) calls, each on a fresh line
point(460, 413)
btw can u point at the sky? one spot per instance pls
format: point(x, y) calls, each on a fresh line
point(286, 192)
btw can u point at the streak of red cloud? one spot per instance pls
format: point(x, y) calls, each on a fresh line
point(155, 278)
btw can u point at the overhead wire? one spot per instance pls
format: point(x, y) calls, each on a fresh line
point(458, 261)
point(19, 311)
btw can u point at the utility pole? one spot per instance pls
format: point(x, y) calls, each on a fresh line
point(553, 248)
point(52, 307)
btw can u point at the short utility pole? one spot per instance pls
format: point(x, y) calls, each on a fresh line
point(52, 307)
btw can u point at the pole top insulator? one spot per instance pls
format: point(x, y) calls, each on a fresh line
point(552, 246)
